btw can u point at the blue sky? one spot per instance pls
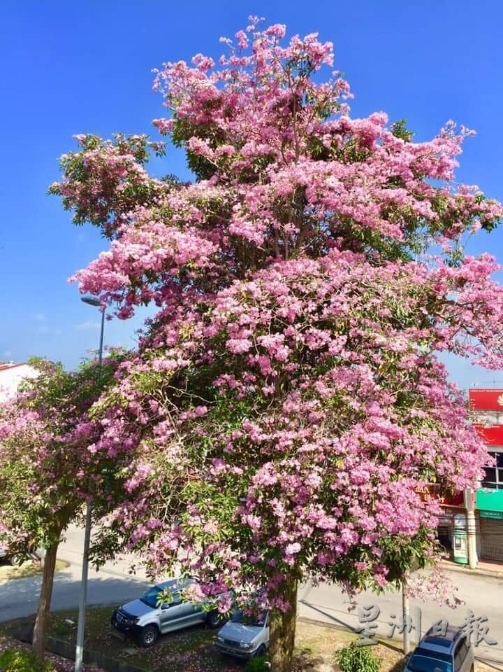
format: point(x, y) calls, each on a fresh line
point(85, 66)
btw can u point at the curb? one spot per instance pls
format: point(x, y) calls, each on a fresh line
point(32, 575)
point(464, 569)
point(124, 573)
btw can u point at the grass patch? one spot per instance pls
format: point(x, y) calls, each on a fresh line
point(316, 643)
point(28, 568)
point(193, 649)
point(187, 650)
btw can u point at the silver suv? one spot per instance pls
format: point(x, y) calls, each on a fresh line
point(145, 619)
point(442, 650)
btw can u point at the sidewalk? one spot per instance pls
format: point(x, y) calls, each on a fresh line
point(71, 550)
point(483, 568)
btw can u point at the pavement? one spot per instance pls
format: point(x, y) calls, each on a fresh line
point(113, 584)
point(19, 597)
point(71, 551)
point(482, 569)
point(480, 590)
point(482, 595)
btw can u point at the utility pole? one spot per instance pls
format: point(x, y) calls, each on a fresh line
point(81, 625)
point(471, 528)
point(405, 617)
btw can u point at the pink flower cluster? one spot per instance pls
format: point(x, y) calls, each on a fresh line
point(49, 461)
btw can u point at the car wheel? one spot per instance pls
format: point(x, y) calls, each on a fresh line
point(261, 651)
point(149, 636)
point(16, 560)
point(214, 619)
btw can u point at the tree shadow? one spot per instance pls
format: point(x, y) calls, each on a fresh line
point(338, 621)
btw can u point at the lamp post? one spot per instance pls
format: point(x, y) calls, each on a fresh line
point(406, 617)
point(81, 626)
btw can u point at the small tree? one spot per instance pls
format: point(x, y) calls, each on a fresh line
point(48, 467)
point(287, 399)
point(355, 658)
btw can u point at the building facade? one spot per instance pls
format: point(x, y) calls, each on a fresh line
point(486, 406)
point(11, 376)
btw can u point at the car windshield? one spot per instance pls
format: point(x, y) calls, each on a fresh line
point(151, 596)
point(428, 663)
point(249, 619)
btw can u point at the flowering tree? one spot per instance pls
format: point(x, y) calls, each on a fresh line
point(46, 468)
point(286, 403)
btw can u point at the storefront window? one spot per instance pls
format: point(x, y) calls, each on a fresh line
point(445, 537)
point(494, 475)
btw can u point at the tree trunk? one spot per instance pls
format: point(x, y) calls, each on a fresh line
point(282, 635)
point(44, 603)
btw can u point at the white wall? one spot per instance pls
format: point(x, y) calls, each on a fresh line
point(11, 378)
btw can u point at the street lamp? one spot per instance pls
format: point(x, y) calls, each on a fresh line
point(92, 301)
point(81, 626)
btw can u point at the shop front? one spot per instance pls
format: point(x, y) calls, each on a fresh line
point(451, 530)
point(445, 530)
point(490, 514)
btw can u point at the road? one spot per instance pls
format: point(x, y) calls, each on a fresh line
point(482, 595)
point(113, 585)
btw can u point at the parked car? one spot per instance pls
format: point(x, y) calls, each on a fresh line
point(445, 651)
point(15, 559)
point(3, 551)
point(244, 636)
point(145, 619)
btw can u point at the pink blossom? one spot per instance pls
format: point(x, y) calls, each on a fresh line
point(293, 549)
